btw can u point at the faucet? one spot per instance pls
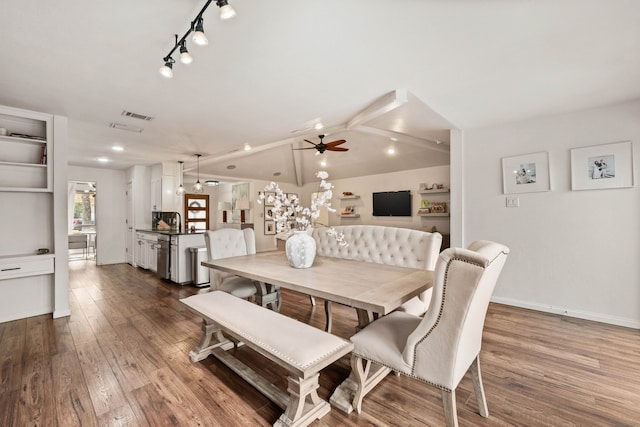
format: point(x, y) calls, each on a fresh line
point(179, 222)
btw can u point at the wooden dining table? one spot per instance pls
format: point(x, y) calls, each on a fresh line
point(372, 289)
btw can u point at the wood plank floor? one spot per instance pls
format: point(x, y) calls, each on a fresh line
point(121, 359)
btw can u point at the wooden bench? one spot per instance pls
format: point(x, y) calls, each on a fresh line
point(300, 348)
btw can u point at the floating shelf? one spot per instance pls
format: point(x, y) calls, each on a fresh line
point(353, 196)
point(349, 216)
point(435, 191)
point(434, 214)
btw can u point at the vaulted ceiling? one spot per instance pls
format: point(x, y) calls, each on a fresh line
point(369, 70)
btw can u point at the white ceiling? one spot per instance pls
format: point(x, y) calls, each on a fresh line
point(278, 67)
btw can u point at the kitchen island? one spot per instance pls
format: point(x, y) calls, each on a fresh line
point(167, 252)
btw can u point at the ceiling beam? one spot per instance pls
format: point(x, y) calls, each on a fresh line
point(388, 102)
point(420, 142)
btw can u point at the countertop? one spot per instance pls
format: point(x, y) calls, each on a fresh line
point(171, 232)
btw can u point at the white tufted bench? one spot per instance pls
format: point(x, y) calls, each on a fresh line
point(383, 245)
point(300, 348)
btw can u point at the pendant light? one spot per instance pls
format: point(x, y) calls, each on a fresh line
point(181, 190)
point(197, 188)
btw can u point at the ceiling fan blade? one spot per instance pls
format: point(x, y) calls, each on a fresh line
point(334, 143)
point(310, 142)
point(337, 149)
point(305, 148)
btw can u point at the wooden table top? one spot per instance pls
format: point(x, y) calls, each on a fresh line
point(373, 287)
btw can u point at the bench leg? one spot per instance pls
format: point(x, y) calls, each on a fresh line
point(211, 338)
point(305, 406)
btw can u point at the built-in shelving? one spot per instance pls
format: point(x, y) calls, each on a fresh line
point(434, 191)
point(24, 152)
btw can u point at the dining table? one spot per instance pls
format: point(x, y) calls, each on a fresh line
point(371, 289)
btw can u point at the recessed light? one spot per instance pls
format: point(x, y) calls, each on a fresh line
point(117, 148)
point(323, 163)
point(391, 150)
point(230, 167)
point(394, 139)
point(247, 147)
point(318, 126)
point(103, 159)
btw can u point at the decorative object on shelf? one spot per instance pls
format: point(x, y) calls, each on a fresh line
point(602, 166)
point(424, 204)
point(181, 190)
point(290, 216)
point(438, 207)
point(347, 193)
point(199, 38)
point(424, 186)
point(348, 210)
point(197, 187)
point(526, 173)
point(224, 207)
point(300, 249)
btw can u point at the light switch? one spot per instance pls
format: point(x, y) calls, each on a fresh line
point(513, 202)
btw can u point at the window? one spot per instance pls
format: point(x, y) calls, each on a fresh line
point(196, 209)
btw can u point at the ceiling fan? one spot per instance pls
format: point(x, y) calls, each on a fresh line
point(322, 147)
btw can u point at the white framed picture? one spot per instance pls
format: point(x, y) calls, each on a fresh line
point(602, 166)
point(527, 173)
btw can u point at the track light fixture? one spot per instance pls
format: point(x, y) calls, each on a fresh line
point(185, 56)
point(199, 38)
point(197, 187)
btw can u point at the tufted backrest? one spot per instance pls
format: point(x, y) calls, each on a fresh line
point(382, 245)
point(448, 339)
point(228, 242)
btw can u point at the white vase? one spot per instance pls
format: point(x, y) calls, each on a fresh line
point(300, 249)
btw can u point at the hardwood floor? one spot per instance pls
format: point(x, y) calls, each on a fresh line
point(121, 359)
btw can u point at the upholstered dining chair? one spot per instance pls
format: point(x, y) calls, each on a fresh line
point(228, 242)
point(442, 346)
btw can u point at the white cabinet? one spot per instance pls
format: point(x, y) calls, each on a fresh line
point(153, 255)
point(146, 248)
point(163, 188)
point(25, 152)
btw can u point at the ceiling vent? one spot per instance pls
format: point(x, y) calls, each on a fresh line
point(125, 127)
point(136, 116)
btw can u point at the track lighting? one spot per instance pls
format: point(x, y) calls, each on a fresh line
point(197, 187)
point(199, 38)
point(185, 56)
point(167, 69)
point(226, 11)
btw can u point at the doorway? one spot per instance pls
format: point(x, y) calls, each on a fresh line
point(81, 224)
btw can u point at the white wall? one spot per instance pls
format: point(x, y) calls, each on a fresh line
point(111, 205)
point(573, 252)
point(364, 186)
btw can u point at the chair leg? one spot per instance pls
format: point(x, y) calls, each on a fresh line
point(361, 373)
point(449, 403)
point(476, 377)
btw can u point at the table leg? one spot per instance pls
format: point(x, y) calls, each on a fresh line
point(268, 295)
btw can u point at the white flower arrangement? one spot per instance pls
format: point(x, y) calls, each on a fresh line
point(289, 215)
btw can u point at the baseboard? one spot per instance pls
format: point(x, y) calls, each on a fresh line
point(596, 317)
point(8, 317)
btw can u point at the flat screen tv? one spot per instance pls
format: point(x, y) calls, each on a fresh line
point(392, 203)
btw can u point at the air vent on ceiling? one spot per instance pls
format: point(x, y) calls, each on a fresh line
point(125, 127)
point(136, 116)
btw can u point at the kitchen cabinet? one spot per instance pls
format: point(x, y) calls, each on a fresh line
point(146, 254)
point(163, 188)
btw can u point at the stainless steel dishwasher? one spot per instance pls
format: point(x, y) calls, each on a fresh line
point(164, 256)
